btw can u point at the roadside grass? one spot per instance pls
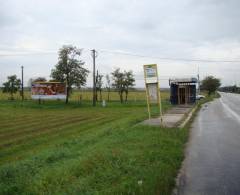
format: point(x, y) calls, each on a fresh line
point(209, 98)
point(55, 148)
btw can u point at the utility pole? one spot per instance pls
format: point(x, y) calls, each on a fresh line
point(22, 84)
point(94, 76)
point(96, 83)
point(198, 82)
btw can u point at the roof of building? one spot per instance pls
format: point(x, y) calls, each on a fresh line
point(183, 80)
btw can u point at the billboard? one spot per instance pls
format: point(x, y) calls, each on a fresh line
point(48, 90)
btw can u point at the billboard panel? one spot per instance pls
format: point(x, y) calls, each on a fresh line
point(48, 90)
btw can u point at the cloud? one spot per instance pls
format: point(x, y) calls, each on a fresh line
point(206, 29)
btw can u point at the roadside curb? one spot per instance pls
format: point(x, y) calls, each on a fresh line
point(190, 114)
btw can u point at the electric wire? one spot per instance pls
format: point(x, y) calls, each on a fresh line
point(133, 55)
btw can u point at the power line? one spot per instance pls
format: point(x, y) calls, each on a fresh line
point(171, 59)
point(36, 53)
point(130, 54)
point(29, 54)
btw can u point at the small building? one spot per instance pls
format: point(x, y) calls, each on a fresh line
point(183, 91)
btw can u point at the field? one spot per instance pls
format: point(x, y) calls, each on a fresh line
point(55, 148)
point(87, 95)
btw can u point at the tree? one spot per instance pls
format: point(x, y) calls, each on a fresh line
point(128, 82)
point(39, 79)
point(118, 82)
point(108, 86)
point(12, 85)
point(70, 69)
point(210, 84)
point(99, 83)
point(122, 81)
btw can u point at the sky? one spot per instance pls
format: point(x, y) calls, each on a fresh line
point(32, 31)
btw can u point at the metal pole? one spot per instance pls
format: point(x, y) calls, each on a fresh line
point(198, 82)
point(22, 84)
point(147, 94)
point(148, 104)
point(159, 99)
point(94, 77)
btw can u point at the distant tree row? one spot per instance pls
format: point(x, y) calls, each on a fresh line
point(230, 89)
point(70, 70)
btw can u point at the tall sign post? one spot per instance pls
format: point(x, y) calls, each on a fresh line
point(152, 88)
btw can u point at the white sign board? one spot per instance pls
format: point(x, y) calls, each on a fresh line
point(151, 73)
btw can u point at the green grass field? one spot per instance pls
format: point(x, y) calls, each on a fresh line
point(55, 148)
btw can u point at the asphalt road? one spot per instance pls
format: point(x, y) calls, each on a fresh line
point(212, 164)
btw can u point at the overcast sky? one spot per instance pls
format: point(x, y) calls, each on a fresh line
point(32, 31)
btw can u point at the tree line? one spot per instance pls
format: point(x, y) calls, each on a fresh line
point(70, 70)
point(230, 89)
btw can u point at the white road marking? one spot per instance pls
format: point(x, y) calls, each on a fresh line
point(230, 111)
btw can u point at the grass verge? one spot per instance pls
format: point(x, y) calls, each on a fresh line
point(76, 149)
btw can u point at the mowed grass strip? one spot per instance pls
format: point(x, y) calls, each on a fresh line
point(106, 151)
point(18, 147)
point(39, 129)
point(21, 128)
point(40, 124)
point(28, 147)
point(25, 139)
